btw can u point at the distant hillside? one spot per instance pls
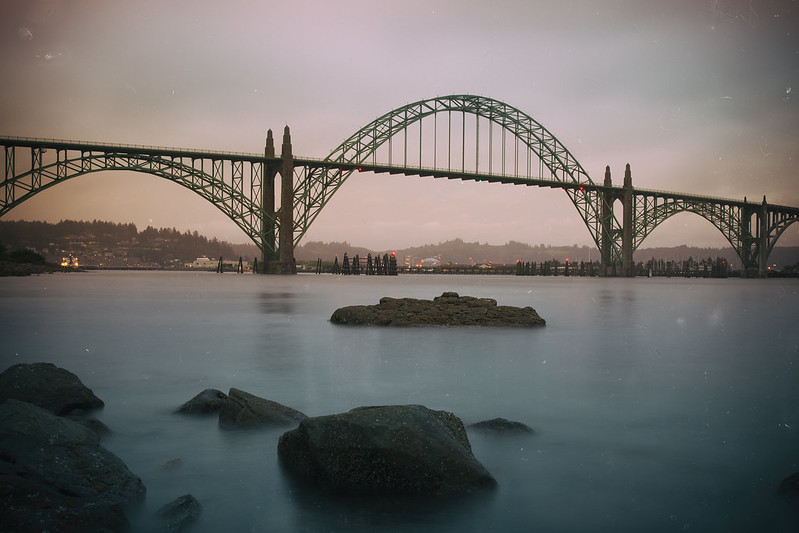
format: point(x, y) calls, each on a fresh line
point(460, 252)
point(123, 244)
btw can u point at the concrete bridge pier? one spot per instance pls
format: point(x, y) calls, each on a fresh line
point(627, 266)
point(762, 241)
point(281, 262)
point(268, 257)
point(609, 197)
point(606, 215)
point(286, 243)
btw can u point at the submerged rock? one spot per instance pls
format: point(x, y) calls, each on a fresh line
point(399, 449)
point(449, 309)
point(207, 402)
point(48, 386)
point(180, 512)
point(55, 476)
point(500, 425)
point(789, 487)
point(172, 464)
point(245, 410)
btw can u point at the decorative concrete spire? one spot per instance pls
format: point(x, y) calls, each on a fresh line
point(269, 150)
point(286, 148)
point(608, 183)
point(628, 177)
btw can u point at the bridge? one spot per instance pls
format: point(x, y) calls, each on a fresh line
point(460, 137)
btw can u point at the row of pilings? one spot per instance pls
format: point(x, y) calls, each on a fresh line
point(220, 267)
point(556, 268)
point(373, 267)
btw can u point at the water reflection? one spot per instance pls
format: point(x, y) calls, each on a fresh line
point(276, 302)
point(321, 510)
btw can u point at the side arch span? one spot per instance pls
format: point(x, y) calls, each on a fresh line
point(219, 181)
point(319, 184)
point(650, 214)
point(752, 229)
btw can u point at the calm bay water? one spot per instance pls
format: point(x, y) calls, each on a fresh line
point(658, 404)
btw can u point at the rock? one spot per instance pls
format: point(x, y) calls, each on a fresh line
point(400, 449)
point(172, 464)
point(789, 487)
point(180, 512)
point(28, 507)
point(44, 384)
point(55, 476)
point(208, 401)
point(449, 309)
point(90, 422)
point(500, 425)
point(245, 410)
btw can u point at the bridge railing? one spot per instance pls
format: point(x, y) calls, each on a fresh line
point(70, 144)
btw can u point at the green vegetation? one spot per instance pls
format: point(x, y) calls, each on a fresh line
point(99, 243)
point(22, 262)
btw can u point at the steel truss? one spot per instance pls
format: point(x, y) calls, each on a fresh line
point(232, 182)
point(496, 143)
point(752, 229)
point(531, 142)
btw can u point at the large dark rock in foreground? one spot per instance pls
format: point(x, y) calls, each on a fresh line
point(55, 476)
point(48, 386)
point(399, 450)
point(449, 309)
point(245, 410)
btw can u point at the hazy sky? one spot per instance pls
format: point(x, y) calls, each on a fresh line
point(698, 96)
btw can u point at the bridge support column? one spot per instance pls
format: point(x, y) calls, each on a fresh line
point(627, 266)
point(606, 215)
point(268, 256)
point(762, 241)
point(286, 244)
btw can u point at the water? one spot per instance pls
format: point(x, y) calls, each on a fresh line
point(658, 404)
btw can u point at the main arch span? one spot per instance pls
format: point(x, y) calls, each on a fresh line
point(462, 137)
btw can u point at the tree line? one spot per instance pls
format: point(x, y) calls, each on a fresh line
point(151, 245)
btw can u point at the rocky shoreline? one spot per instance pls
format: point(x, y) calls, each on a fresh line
point(449, 309)
point(56, 476)
point(13, 268)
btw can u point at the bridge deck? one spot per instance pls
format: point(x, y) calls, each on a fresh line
point(57, 144)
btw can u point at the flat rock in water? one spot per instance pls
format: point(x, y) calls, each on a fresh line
point(399, 450)
point(245, 410)
point(48, 386)
point(55, 476)
point(449, 309)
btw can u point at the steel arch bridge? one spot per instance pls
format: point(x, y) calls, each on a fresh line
point(462, 137)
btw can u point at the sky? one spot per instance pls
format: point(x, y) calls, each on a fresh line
point(698, 96)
